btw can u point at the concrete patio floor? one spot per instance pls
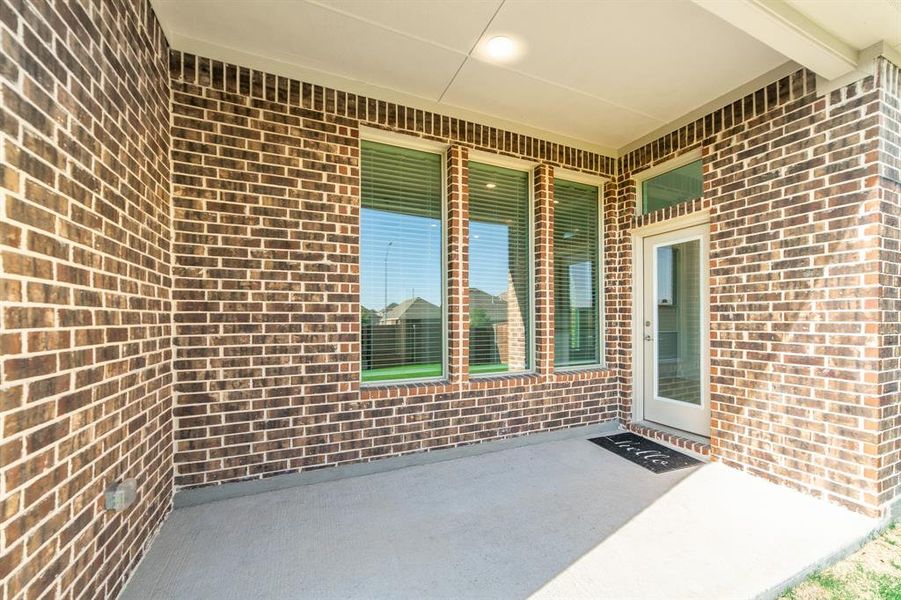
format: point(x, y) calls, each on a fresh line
point(558, 519)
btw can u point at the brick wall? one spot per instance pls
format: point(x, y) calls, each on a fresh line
point(261, 277)
point(266, 189)
point(266, 195)
point(85, 302)
point(790, 184)
point(889, 475)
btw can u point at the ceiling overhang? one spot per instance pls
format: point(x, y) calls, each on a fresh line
point(353, 86)
point(787, 31)
point(784, 28)
point(645, 70)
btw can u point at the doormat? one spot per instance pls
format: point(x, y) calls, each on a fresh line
point(642, 451)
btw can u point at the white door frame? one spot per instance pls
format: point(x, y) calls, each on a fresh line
point(638, 264)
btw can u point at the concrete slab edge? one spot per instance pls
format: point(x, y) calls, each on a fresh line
point(823, 563)
point(892, 512)
point(225, 491)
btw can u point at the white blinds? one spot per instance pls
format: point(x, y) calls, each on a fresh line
point(576, 274)
point(499, 264)
point(401, 278)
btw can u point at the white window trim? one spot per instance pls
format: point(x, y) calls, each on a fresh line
point(599, 182)
point(391, 138)
point(664, 167)
point(410, 142)
point(500, 160)
point(580, 177)
point(516, 164)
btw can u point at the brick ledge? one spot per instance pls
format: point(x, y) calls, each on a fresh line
point(649, 431)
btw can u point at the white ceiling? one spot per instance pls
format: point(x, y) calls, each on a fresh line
point(859, 23)
point(597, 73)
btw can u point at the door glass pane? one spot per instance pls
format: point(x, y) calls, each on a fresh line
point(678, 301)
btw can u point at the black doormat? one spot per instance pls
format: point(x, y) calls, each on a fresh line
point(650, 455)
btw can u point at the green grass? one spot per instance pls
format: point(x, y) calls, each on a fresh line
point(888, 588)
point(422, 371)
point(403, 372)
point(827, 586)
point(491, 368)
point(831, 584)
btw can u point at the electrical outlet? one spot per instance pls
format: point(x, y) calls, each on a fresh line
point(120, 496)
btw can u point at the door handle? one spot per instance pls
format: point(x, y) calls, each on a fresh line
point(648, 338)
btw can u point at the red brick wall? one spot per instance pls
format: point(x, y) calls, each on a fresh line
point(803, 194)
point(266, 283)
point(85, 301)
point(889, 475)
point(266, 194)
point(791, 186)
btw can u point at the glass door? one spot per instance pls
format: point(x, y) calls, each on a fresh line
point(675, 330)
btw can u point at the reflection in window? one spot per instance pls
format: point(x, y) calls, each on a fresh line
point(499, 280)
point(665, 275)
point(679, 322)
point(673, 187)
point(576, 274)
point(401, 278)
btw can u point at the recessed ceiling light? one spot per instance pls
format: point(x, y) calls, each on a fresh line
point(490, 186)
point(500, 47)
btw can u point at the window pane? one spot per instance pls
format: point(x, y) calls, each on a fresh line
point(499, 294)
point(401, 278)
point(576, 275)
point(672, 187)
point(679, 322)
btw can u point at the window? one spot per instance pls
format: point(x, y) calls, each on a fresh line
point(499, 270)
point(577, 332)
point(401, 266)
point(673, 187)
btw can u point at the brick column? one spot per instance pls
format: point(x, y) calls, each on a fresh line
point(544, 269)
point(457, 264)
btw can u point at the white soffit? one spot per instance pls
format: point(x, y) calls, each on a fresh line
point(658, 59)
point(859, 24)
point(525, 99)
point(833, 38)
point(319, 39)
point(595, 74)
point(779, 26)
point(457, 24)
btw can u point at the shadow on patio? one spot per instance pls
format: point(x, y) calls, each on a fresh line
point(555, 519)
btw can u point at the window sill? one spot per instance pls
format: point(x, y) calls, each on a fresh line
point(524, 376)
point(578, 368)
point(583, 372)
point(403, 383)
point(489, 379)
